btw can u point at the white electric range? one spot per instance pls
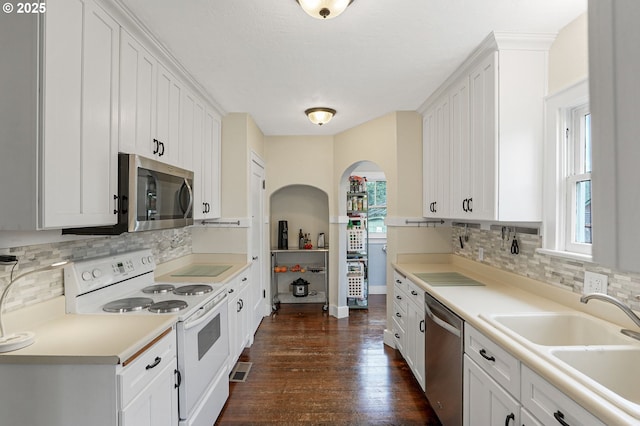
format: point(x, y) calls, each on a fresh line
point(123, 284)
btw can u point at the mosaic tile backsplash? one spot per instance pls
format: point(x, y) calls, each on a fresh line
point(165, 245)
point(561, 272)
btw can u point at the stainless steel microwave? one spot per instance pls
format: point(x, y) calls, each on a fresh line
point(151, 195)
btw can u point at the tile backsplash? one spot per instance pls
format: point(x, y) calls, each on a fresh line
point(561, 272)
point(165, 245)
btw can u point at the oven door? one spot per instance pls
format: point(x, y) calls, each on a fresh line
point(203, 348)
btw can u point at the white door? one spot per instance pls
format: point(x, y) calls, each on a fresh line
point(260, 307)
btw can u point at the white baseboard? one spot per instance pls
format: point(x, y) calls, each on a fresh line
point(339, 311)
point(377, 289)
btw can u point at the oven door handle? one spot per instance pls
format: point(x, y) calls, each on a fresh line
point(204, 316)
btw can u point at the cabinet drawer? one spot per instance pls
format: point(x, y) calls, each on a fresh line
point(144, 369)
point(238, 283)
point(547, 403)
point(399, 335)
point(503, 367)
point(415, 294)
point(400, 313)
point(400, 281)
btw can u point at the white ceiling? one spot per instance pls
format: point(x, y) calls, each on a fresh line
point(271, 60)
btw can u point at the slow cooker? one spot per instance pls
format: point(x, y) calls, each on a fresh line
point(300, 288)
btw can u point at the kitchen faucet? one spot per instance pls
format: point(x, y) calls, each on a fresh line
point(619, 304)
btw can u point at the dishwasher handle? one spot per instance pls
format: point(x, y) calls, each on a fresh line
point(442, 322)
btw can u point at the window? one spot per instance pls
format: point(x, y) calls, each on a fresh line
point(566, 223)
point(377, 199)
point(578, 180)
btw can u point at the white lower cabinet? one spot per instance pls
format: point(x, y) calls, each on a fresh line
point(527, 419)
point(140, 392)
point(239, 313)
point(157, 403)
point(551, 406)
point(500, 390)
point(148, 395)
point(409, 326)
point(485, 401)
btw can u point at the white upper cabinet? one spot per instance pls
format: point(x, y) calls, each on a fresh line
point(138, 69)
point(614, 66)
point(59, 80)
point(495, 131)
point(167, 143)
point(211, 187)
point(201, 131)
point(436, 130)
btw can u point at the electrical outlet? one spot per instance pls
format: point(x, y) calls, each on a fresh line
point(595, 283)
point(480, 254)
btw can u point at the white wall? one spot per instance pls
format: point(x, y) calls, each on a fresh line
point(303, 207)
point(569, 56)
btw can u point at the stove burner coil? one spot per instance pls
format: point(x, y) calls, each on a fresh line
point(130, 304)
point(167, 306)
point(158, 289)
point(193, 290)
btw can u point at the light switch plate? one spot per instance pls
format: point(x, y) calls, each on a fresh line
point(595, 283)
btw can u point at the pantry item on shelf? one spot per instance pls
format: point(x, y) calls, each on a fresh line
point(300, 288)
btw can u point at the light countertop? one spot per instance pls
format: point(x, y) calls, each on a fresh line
point(86, 339)
point(103, 339)
point(508, 293)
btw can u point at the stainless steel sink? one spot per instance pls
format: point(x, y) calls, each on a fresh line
point(561, 329)
point(612, 370)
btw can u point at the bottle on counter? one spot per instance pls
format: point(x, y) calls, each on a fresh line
point(300, 239)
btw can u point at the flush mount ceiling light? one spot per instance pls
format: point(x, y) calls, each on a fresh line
point(320, 116)
point(324, 9)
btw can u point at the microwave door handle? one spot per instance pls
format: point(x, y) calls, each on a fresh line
point(190, 206)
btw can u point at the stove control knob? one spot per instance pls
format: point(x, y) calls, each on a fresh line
point(97, 273)
point(86, 276)
point(149, 259)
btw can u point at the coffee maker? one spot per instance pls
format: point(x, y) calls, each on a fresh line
point(283, 235)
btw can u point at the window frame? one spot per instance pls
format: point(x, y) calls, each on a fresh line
point(370, 205)
point(555, 171)
point(575, 173)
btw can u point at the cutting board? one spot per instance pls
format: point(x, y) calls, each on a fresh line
point(201, 271)
point(440, 279)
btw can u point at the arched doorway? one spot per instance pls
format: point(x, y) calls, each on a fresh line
point(372, 257)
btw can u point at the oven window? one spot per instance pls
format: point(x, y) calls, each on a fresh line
point(208, 336)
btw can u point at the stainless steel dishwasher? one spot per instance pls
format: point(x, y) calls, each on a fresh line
point(443, 361)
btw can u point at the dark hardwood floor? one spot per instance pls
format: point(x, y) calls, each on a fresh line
point(311, 368)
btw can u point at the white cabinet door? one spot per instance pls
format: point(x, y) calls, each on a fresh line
point(138, 72)
point(157, 404)
point(436, 159)
point(80, 147)
point(239, 307)
point(168, 110)
point(480, 201)
point(614, 65)
point(415, 342)
point(211, 164)
point(461, 152)
point(485, 402)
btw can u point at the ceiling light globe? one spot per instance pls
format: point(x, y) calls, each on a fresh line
point(324, 9)
point(320, 116)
